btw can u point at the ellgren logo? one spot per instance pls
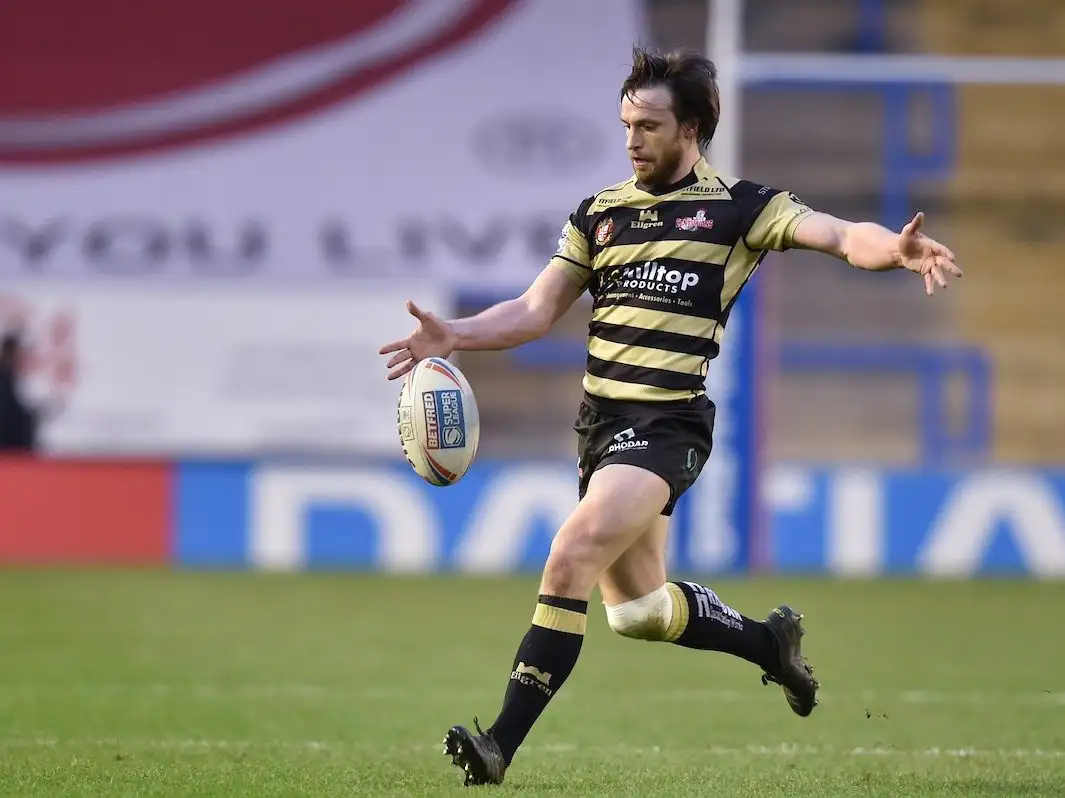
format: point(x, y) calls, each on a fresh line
point(647, 220)
point(445, 426)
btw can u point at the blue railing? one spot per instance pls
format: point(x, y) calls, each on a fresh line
point(933, 367)
point(903, 162)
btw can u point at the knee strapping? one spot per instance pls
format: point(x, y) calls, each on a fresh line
point(646, 618)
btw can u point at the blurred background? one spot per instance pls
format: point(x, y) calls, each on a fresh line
point(211, 215)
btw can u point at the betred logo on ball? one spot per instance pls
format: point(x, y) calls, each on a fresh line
point(82, 80)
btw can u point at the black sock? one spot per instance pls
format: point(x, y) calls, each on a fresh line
point(702, 620)
point(544, 660)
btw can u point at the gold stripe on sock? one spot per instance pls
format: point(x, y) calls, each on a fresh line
point(680, 613)
point(559, 619)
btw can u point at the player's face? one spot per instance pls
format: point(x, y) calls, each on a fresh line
point(655, 141)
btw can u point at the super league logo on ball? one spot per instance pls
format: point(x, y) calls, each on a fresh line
point(83, 80)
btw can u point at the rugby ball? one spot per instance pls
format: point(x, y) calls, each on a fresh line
point(439, 426)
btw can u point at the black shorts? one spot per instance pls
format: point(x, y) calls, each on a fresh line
point(672, 440)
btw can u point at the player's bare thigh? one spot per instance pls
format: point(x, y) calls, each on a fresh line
point(621, 503)
point(640, 569)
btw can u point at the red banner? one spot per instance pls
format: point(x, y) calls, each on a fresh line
point(84, 512)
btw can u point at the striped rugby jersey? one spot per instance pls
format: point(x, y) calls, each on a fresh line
point(664, 268)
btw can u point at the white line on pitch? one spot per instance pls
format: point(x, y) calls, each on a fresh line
point(779, 749)
point(9, 691)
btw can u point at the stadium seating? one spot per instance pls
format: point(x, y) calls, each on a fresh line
point(1009, 200)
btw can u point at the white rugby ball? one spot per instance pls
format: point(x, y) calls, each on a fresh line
point(439, 426)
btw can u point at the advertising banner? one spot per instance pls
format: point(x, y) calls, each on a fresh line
point(270, 141)
point(84, 513)
point(863, 522)
point(502, 516)
point(228, 372)
point(376, 516)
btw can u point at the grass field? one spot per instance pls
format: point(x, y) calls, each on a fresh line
point(118, 683)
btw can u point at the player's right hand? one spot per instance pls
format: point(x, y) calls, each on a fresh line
point(433, 337)
point(925, 256)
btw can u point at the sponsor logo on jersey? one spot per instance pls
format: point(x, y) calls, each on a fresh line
point(704, 190)
point(444, 424)
point(647, 219)
point(653, 276)
point(697, 222)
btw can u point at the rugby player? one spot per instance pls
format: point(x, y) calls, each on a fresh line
point(664, 256)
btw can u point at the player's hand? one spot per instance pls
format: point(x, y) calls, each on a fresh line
point(925, 256)
point(433, 337)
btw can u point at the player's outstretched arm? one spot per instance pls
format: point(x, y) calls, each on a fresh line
point(502, 326)
point(868, 245)
point(518, 321)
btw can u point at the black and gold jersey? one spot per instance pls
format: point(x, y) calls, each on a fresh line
point(664, 268)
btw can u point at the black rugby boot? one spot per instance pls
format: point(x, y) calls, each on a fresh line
point(478, 755)
point(792, 672)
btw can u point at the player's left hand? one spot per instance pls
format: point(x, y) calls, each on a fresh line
point(925, 256)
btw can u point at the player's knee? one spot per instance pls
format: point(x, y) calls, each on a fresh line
point(575, 561)
point(646, 618)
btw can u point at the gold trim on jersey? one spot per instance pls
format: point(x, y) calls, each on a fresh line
point(632, 391)
point(647, 357)
point(640, 201)
point(663, 320)
point(695, 251)
point(710, 187)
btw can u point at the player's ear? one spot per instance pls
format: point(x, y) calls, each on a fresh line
point(689, 130)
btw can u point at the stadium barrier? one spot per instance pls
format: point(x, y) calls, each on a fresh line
point(378, 516)
point(933, 366)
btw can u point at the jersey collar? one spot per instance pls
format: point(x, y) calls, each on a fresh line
point(701, 171)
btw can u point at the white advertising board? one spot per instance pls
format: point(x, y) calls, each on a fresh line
point(226, 373)
point(327, 141)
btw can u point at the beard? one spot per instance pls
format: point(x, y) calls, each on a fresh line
point(661, 171)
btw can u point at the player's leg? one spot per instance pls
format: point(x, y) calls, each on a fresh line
point(621, 502)
point(642, 604)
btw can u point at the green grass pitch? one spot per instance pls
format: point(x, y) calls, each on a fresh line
point(159, 683)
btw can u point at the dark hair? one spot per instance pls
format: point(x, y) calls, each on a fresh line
point(692, 83)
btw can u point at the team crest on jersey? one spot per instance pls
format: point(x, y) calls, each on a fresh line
point(697, 222)
point(604, 230)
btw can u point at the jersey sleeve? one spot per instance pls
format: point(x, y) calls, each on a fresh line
point(573, 256)
point(770, 217)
